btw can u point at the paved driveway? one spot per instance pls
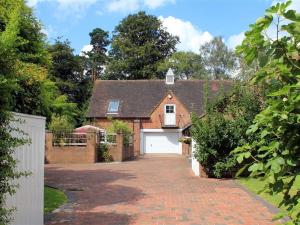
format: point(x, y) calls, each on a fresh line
point(153, 190)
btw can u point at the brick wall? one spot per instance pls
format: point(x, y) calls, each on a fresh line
point(71, 154)
point(118, 151)
point(157, 116)
point(186, 149)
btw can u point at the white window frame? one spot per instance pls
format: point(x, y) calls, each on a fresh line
point(170, 105)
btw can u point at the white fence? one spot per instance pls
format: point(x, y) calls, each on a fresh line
point(195, 163)
point(29, 198)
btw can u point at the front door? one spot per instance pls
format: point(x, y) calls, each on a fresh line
point(170, 115)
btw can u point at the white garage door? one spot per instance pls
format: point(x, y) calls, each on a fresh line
point(161, 142)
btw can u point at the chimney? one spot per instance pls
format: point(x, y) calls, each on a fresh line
point(170, 77)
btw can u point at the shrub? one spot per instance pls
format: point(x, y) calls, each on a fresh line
point(222, 129)
point(119, 126)
point(185, 139)
point(60, 124)
point(103, 153)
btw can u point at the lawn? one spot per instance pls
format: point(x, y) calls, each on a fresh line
point(255, 185)
point(53, 198)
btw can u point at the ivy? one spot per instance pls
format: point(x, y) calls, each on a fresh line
point(275, 157)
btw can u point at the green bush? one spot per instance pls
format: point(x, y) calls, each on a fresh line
point(60, 124)
point(119, 126)
point(103, 154)
point(222, 129)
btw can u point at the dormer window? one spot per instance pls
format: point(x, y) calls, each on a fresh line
point(113, 106)
point(170, 77)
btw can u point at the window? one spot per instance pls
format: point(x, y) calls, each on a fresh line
point(170, 108)
point(113, 106)
point(169, 79)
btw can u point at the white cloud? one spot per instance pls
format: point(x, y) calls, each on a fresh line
point(85, 48)
point(75, 4)
point(110, 5)
point(235, 40)
point(134, 5)
point(190, 37)
point(295, 4)
point(271, 32)
point(123, 5)
point(153, 4)
point(67, 6)
point(32, 3)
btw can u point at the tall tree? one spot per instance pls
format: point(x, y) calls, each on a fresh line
point(186, 65)
point(97, 57)
point(10, 19)
point(139, 44)
point(63, 64)
point(31, 63)
point(219, 60)
point(67, 72)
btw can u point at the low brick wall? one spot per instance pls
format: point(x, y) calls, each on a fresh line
point(186, 149)
point(128, 152)
point(71, 154)
point(118, 151)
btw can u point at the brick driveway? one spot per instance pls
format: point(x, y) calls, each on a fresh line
point(153, 190)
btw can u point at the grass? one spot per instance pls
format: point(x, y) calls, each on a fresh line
point(256, 185)
point(53, 198)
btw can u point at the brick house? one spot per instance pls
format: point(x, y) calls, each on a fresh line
point(157, 111)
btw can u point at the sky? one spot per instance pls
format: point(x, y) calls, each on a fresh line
point(194, 21)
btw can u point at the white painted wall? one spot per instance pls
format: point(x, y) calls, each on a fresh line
point(195, 163)
point(29, 198)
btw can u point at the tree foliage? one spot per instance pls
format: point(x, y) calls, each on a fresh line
point(60, 123)
point(276, 155)
point(186, 65)
point(74, 84)
point(139, 44)
point(119, 126)
point(223, 128)
point(220, 62)
point(9, 41)
point(97, 58)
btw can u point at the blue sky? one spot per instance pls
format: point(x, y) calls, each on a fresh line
point(194, 21)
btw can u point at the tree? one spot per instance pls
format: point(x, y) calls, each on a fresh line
point(9, 30)
point(74, 84)
point(186, 65)
point(246, 71)
point(275, 157)
point(139, 44)
point(97, 57)
point(220, 62)
point(63, 64)
point(31, 62)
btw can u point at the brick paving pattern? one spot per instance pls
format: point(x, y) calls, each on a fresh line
point(150, 191)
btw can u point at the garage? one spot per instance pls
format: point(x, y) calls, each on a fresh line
point(161, 142)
